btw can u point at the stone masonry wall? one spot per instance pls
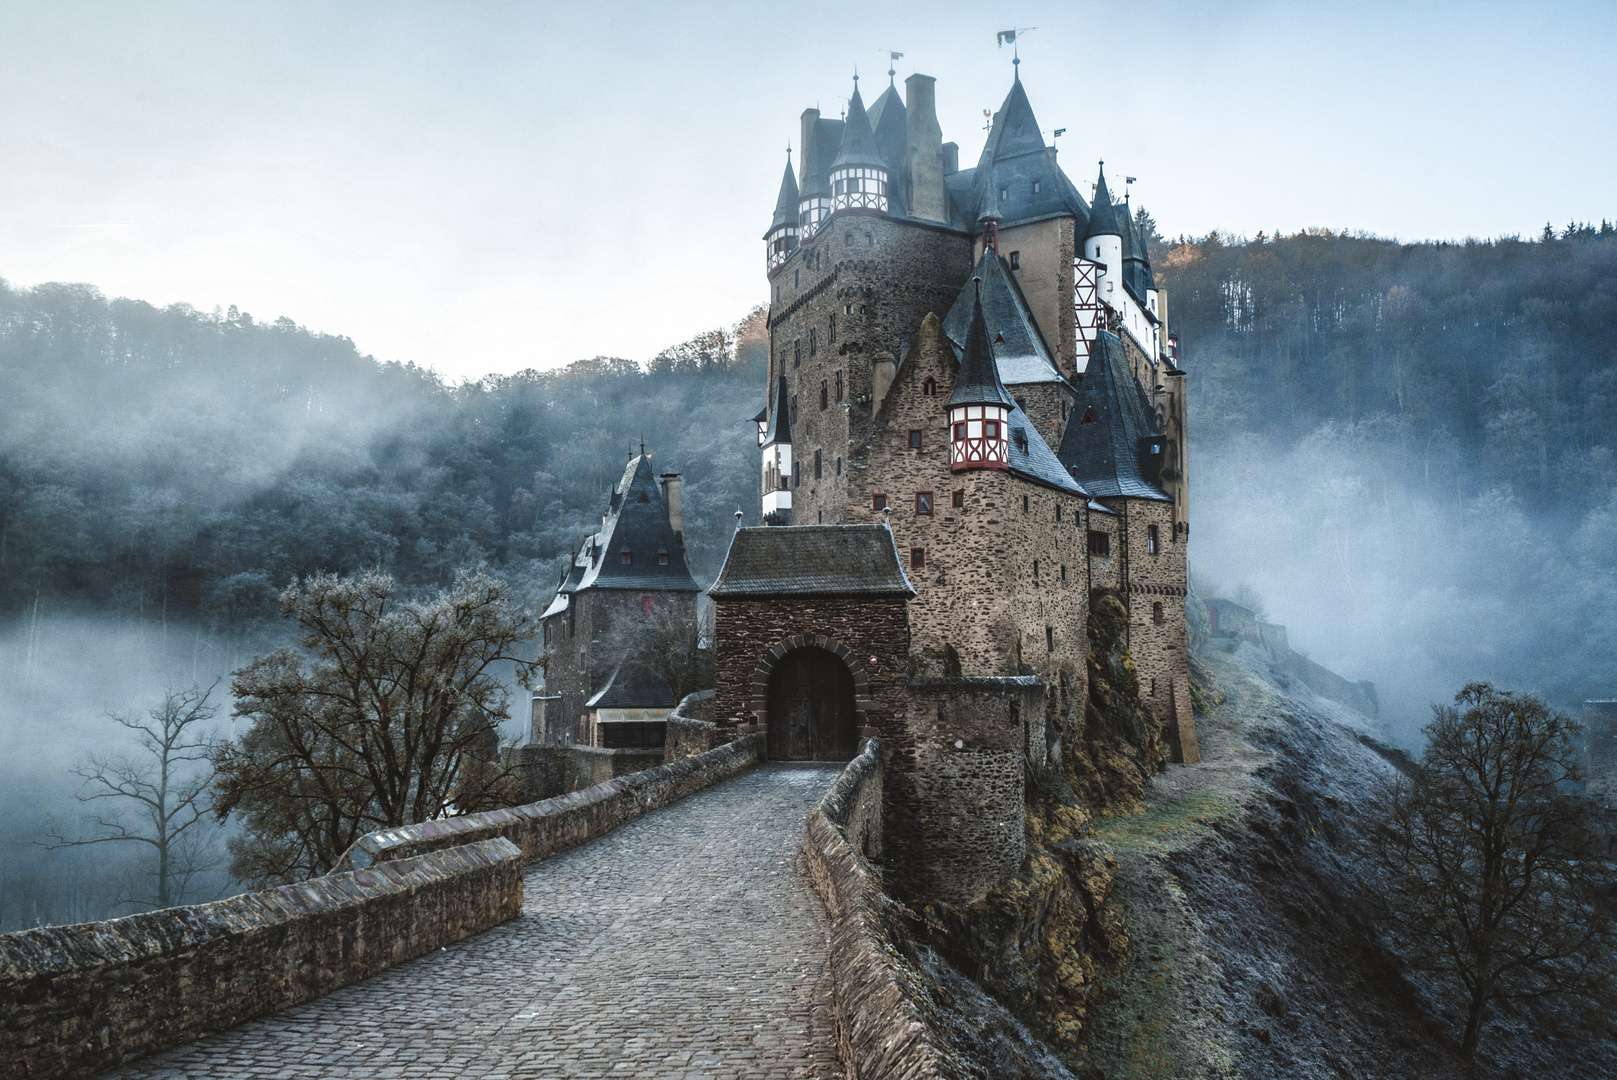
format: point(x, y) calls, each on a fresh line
point(78, 999)
point(1159, 649)
point(882, 1019)
point(954, 824)
point(544, 828)
point(878, 288)
point(691, 729)
point(1045, 251)
point(745, 629)
point(977, 592)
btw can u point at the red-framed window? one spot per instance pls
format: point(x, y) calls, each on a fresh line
point(960, 432)
point(958, 500)
point(917, 558)
point(915, 438)
point(878, 503)
point(923, 503)
point(647, 605)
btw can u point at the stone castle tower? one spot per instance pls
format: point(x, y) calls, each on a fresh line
point(979, 357)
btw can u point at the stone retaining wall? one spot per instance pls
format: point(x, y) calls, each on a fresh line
point(78, 999)
point(691, 729)
point(542, 829)
point(881, 1021)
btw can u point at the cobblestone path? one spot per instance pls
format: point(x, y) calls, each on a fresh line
point(687, 943)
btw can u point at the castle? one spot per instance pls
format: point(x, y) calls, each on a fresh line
point(974, 420)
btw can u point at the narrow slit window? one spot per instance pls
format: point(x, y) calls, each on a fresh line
point(825, 394)
point(816, 465)
point(1049, 639)
point(1024, 504)
point(1151, 542)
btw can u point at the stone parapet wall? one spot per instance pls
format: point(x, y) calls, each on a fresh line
point(881, 1018)
point(542, 829)
point(690, 728)
point(591, 765)
point(75, 1000)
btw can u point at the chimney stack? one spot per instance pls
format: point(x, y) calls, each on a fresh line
point(676, 508)
point(925, 145)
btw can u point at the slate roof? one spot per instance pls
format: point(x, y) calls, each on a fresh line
point(1102, 212)
point(977, 380)
point(780, 419)
point(631, 686)
point(786, 201)
point(1103, 455)
point(1137, 277)
point(1013, 159)
point(858, 141)
point(824, 139)
point(1022, 356)
point(1032, 459)
point(805, 560)
point(636, 523)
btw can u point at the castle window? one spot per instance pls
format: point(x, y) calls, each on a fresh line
point(1024, 504)
point(662, 558)
point(797, 277)
point(831, 334)
point(825, 394)
point(1037, 186)
point(839, 465)
point(929, 388)
point(923, 503)
point(816, 464)
point(1035, 569)
point(848, 240)
point(1156, 613)
point(1016, 260)
point(847, 309)
point(627, 558)
point(794, 408)
point(959, 500)
point(647, 605)
point(814, 341)
point(990, 429)
point(1049, 639)
point(797, 352)
point(1058, 513)
point(1004, 193)
point(1100, 544)
point(1063, 574)
point(915, 438)
point(917, 558)
point(839, 386)
point(1151, 540)
point(878, 503)
point(870, 241)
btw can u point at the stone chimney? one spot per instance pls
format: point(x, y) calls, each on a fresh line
point(805, 144)
point(925, 145)
point(676, 508)
point(881, 380)
point(951, 158)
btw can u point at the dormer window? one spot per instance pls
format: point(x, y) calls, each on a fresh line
point(626, 557)
point(1016, 260)
point(1037, 186)
point(662, 557)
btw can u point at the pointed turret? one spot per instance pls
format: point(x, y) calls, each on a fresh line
point(781, 239)
point(1103, 243)
point(979, 409)
point(1102, 213)
point(777, 461)
point(859, 175)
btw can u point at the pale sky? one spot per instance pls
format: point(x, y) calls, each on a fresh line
point(484, 187)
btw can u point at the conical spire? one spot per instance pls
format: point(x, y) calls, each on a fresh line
point(990, 204)
point(786, 203)
point(1102, 213)
point(978, 383)
point(858, 141)
point(780, 418)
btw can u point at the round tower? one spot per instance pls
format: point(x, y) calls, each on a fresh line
point(1103, 241)
point(980, 409)
point(859, 175)
point(781, 239)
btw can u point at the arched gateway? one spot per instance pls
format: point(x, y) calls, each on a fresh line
point(811, 712)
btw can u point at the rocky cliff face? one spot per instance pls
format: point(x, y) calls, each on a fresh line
point(1215, 926)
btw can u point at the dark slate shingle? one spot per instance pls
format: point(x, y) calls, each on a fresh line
point(813, 560)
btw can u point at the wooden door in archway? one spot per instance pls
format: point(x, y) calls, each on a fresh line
point(811, 708)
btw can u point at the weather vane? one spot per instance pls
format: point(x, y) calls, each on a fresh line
point(1008, 37)
point(892, 59)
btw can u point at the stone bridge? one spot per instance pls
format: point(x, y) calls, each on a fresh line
point(686, 943)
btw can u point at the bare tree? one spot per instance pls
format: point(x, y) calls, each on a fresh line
point(665, 644)
point(1499, 879)
point(389, 716)
point(163, 788)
